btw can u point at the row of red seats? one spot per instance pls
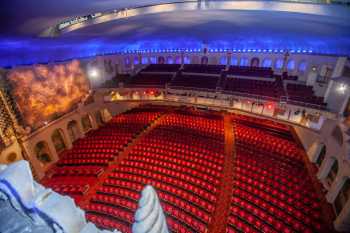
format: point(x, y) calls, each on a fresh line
point(107, 223)
point(168, 175)
point(153, 80)
point(195, 81)
point(179, 145)
point(79, 171)
point(92, 153)
point(204, 160)
point(124, 192)
point(104, 209)
point(174, 162)
point(180, 165)
point(257, 87)
point(272, 190)
point(70, 189)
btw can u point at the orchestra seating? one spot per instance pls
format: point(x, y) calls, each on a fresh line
point(183, 159)
point(304, 95)
point(91, 155)
point(272, 190)
point(267, 126)
point(272, 89)
point(250, 71)
point(195, 81)
point(206, 69)
point(150, 79)
point(162, 68)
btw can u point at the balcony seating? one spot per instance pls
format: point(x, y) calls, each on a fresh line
point(162, 68)
point(207, 69)
point(195, 81)
point(260, 72)
point(304, 95)
point(183, 159)
point(272, 191)
point(150, 79)
point(272, 89)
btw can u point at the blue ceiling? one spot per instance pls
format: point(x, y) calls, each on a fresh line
point(225, 29)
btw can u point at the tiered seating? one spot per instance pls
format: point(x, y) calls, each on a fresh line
point(261, 72)
point(168, 68)
point(183, 159)
point(304, 95)
point(195, 81)
point(150, 79)
point(256, 87)
point(272, 191)
point(268, 126)
point(70, 189)
point(78, 171)
point(82, 165)
point(207, 69)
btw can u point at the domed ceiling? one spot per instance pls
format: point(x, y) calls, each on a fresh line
point(259, 25)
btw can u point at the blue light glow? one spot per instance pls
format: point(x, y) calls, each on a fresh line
point(14, 51)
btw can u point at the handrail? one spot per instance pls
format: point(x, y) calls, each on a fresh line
point(254, 96)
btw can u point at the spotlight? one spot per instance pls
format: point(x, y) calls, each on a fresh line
point(269, 106)
point(93, 73)
point(342, 88)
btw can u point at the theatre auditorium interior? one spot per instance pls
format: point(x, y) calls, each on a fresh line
point(175, 116)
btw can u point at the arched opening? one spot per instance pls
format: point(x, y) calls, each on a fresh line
point(302, 66)
point(204, 60)
point(279, 63)
point(333, 171)
point(127, 62)
point(161, 60)
point(42, 152)
point(234, 61)
point(86, 122)
point(254, 62)
point(223, 60)
point(73, 130)
point(244, 61)
point(106, 115)
point(291, 65)
point(170, 60)
point(58, 140)
point(343, 196)
point(153, 60)
point(177, 60)
point(98, 117)
point(144, 60)
point(136, 60)
point(337, 134)
point(267, 63)
point(321, 155)
point(187, 60)
point(12, 157)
